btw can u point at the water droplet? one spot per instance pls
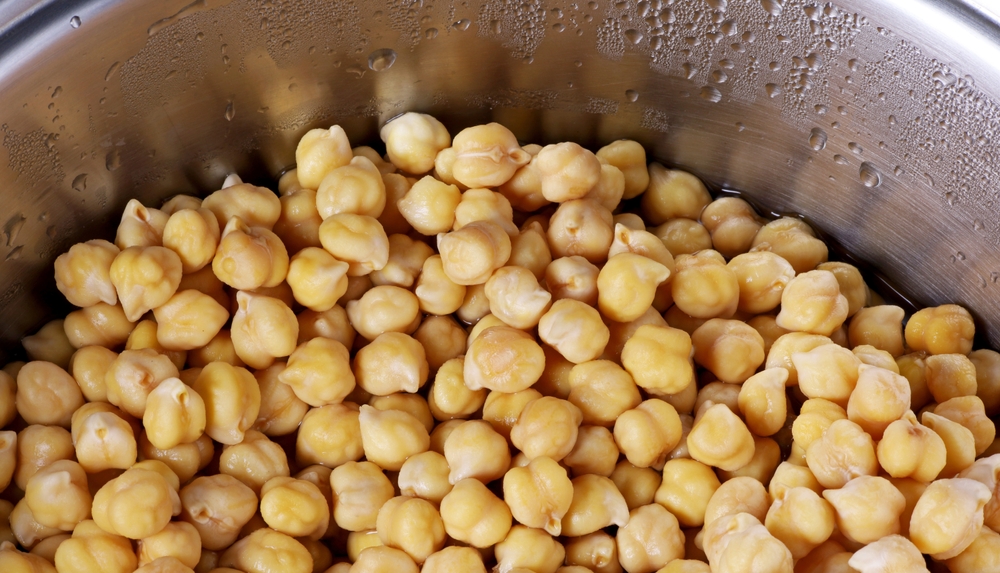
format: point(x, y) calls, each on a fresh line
point(558, 27)
point(821, 109)
point(854, 147)
point(711, 94)
point(80, 182)
point(51, 232)
point(578, 63)
point(199, 36)
point(111, 70)
point(773, 90)
point(817, 139)
point(772, 7)
point(892, 120)
point(774, 66)
point(286, 44)
point(431, 33)
point(929, 179)
point(977, 225)
point(230, 111)
point(633, 36)
point(740, 126)
point(57, 92)
point(960, 255)
point(631, 95)
point(113, 160)
point(382, 59)
point(50, 140)
point(840, 160)
point(726, 64)
point(994, 276)
point(495, 27)
point(951, 198)
point(75, 21)
point(719, 77)
point(689, 70)
point(719, 5)
point(463, 24)
point(898, 171)
point(870, 175)
point(15, 253)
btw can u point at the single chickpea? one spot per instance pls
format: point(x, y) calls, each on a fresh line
point(145, 336)
point(891, 553)
point(504, 359)
point(472, 514)
point(815, 416)
point(733, 224)
point(948, 517)
point(826, 371)
point(57, 495)
point(294, 507)
point(486, 155)
point(794, 240)
point(444, 166)
point(205, 281)
point(218, 506)
point(406, 259)
point(454, 558)
point(46, 394)
point(987, 364)
point(413, 140)
point(317, 279)
point(136, 504)
point(358, 541)
point(359, 490)
point(574, 278)
point(263, 328)
point(603, 391)
point(474, 306)
point(879, 398)
point(391, 436)
point(812, 303)
point(471, 254)
point(739, 495)
point(959, 442)
point(358, 240)
point(516, 298)
point(140, 226)
point(232, 401)
point(174, 415)
point(567, 171)
point(950, 376)
point(650, 540)
point(620, 332)
point(609, 189)
point(683, 236)
point(852, 284)
point(844, 452)
point(762, 277)
point(412, 525)
point(474, 449)
point(436, 293)
point(501, 410)
point(425, 475)
point(179, 539)
point(188, 320)
point(659, 358)
point(184, 460)
point(673, 193)
point(380, 558)
point(626, 286)
point(730, 349)
point(547, 427)
point(878, 326)
point(92, 549)
point(145, 278)
point(595, 452)
point(867, 508)
point(25, 529)
point(913, 367)
point(530, 249)
point(449, 397)
point(762, 401)
point(332, 324)
point(630, 157)
point(250, 257)
point(704, 287)
point(485, 205)
point(717, 393)
point(970, 412)
point(766, 457)
point(319, 152)
point(298, 225)
point(83, 274)
point(178, 202)
point(872, 356)
point(413, 404)
point(133, 375)
point(983, 554)
point(254, 461)
point(523, 189)
point(442, 338)
point(637, 485)
point(769, 330)
point(648, 432)
point(267, 550)
point(194, 235)
point(686, 489)
point(429, 206)
point(526, 549)
point(101, 324)
point(910, 450)
point(257, 206)
point(49, 343)
point(740, 542)
point(945, 329)
point(596, 551)
point(392, 362)
point(319, 372)
point(353, 188)
point(719, 438)
point(581, 227)
point(681, 449)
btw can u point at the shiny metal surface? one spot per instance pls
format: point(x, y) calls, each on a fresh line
point(877, 119)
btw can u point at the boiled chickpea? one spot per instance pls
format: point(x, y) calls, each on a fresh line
point(740, 542)
point(826, 371)
point(486, 155)
point(769, 330)
point(140, 226)
point(46, 394)
point(959, 442)
point(83, 274)
point(893, 552)
point(175, 414)
point(194, 235)
point(294, 507)
point(844, 452)
point(353, 188)
point(391, 436)
point(948, 517)
point(93, 549)
point(627, 284)
point(254, 461)
point(910, 450)
point(602, 390)
point(704, 287)
point(504, 359)
point(425, 475)
point(659, 358)
point(867, 508)
point(794, 240)
point(218, 507)
point(673, 193)
point(596, 551)
point(970, 412)
point(547, 427)
point(630, 157)
point(473, 514)
point(57, 495)
point(595, 452)
point(581, 227)
point(408, 371)
point(530, 249)
point(263, 328)
point(470, 255)
point(267, 550)
point(298, 225)
point(650, 540)
point(945, 329)
point(762, 277)
point(413, 140)
point(332, 324)
point(950, 376)
point(474, 449)
point(136, 504)
point(485, 205)
point(358, 240)
point(762, 401)
point(686, 489)
point(319, 152)
point(739, 495)
point(319, 372)
point(101, 324)
point(637, 485)
point(567, 171)
point(412, 525)
point(879, 398)
point(574, 278)
point(730, 349)
point(317, 279)
point(178, 539)
point(648, 432)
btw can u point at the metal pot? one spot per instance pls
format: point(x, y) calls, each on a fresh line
point(878, 120)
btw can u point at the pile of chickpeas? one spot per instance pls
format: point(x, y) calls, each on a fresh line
point(472, 354)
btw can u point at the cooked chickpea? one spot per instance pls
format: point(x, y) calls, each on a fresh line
point(101, 324)
point(473, 514)
point(250, 257)
point(504, 359)
point(595, 452)
point(827, 371)
point(145, 278)
point(581, 227)
point(627, 285)
point(442, 338)
point(178, 202)
point(359, 490)
point(46, 394)
point(794, 240)
point(891, 553)
point(703, 286)
point(205, 281)
point(673, 193)
point(332, 324)
point(739, 495)
point(852, 284)
point(380, 558)
point(950, 376)
point(730, 349)
point(547, 427)
point(596, 551)
point(298, 225)
point(133, 375)
point(263, 328)
point(92, 549)
point(767, 327)
point(57, 495)
point(486, 155)
point(733, 224)
point(189, 320)
point(629, 157)
point(474, 449)
point(449, 397)
point(762, 401)
point(650, 540)
point(353, 188)
point(140, 226)
point(178, 539)
point(184, 460)
point(530, 249)
point(945, 329)
point(815, 416)
point(762, 277)
point(485, 205)
point(844, 452)
point(145, 336)
point(516, 298)
point(174, 415)
point(392, 362)
point(8, 458)
point(959, 442)
point(717, 393)
point(412, 525)
point(740, 542)
point(683, 236)
point(567, 171)
point(319, 372)
point(218, 506)
point(136, 504)
point(878, 326)
point(358, 240)
point(25, 529)
point(686, 489)
point(539, 494)
point(637, 485)
point(948, 517)
point(879, 398)
point(648, 432)
point(49, 343)
point(83, 274)
point(970, 412)
point(358, 541)
point(391, 436)
point(867, 508)
point(913, 367)
point(574, 278)
point(319, 152)
point(294, 507)
point(719, 438)
point(317, 279)
point(909, 449)
point(983, 554)
point(194, 235)
point(603, 391)
point(454, 558)
point(471, 254)
point(266, 551)
point(527, 549)
point(413, 404)
point(232, 401)
point(254, 461)
point(659, 358)
point(413, 140)
point(425, 475)
point(811, 302)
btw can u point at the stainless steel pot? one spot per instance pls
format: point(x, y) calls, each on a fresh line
point(879, 120)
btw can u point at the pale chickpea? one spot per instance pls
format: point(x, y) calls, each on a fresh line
point(501, 409)
point(983, 554)
point(626, 285)
point(504, 359)
point(659, 358)
point(46, 394)
point(218, 506)
point(766, 457)
point(950, 376)
point(412, 525)
point(263, 328)
point(145, 335)
point(425, 475)
point(815, 416)
point(380, 558)
point(174, 415)
point(389, 437)
point(57, 495)
point(319, 372)
point(332, 324)
point(733, 224)
point(205, 281)
point(530, 249)
point(449, 397)
point(987, 364)
point(891, 553)
point(913, 367)
point(730, 349)
point(762, 401)
point(188, 320)
point(716, 392)
point(353, 188)
point(474, 449)
point(232, 401)
point(719, 438)
point(581, 227)
point(392, 362)
point(811, 302)
point(184, 460)
point(358, 541)
point(136, 504)
point(359, 490)
point(683, 236)
point(959, 442)
point(603, 391)
point(872, 356)
point(179, 539)
point(878, 326)
point(92, 549)
point(249, 257)
point(49, 343)
point(101, 324)
point(436, 292)
point(673, 193)
point(879, 398)
point(317, 279)
point(788, 475)
point(442, 338)
point(145, 278)
point(794, 240)
point(294, 507)
point(444, 165)
point(844, 452)
point(595, 452)
point(769, 330)
point(596, 551)
point(523, 189)
point(567, 171)
point(485, 205)
point(429, 206)
point(637, 485)
point(574, 278)
point(194, 235)
point(650, 540)
point(681, 449)
point(140, 226)
point(267, 550)
point(25, 529)
point(609, 189)
point(83, 274)
point(648, 432)
point(686, 489)
point(471, 254)
point(358, 240)
point(910, 450)
point(762, 277)
point(473, 514)
point(8, 457)
point(406, 258)
point(454, 558)
point(178, 202)
point(516, 298)
point(739, 495)
point(298, 225)
point(826, 371)
point(970, 412)
point(254, 461)
point(413, 140)
point(704, 287)
point(319, 152)
point(526, 549)
point(740, 542)
point(852, 284)
point(948, 516)
point(133, 375)
point(486, 155)
point(575, 330)
point(945, 329)
point(629, 157)
point(413, 404)
point(547, 427)
point(867, 508)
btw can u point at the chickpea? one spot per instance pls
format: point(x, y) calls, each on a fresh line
point(950, 376)
point(250, 257)
point(843, 453)
point(353, 188)
point(650, 540)
point(145, 278)
point(686, 489)
point(970, 412)
point(704, 287)
point(987, 364)
point(812, 303)
point(188, 320)
point(733, 224)
point(893, 552)
point(516, 298)
point(359, 490)
point(136, 504)
point(959, 442)
point(425, 475)
point(218, 506)
point(473, 514)
point(408, 371)
point(471, 254)
point(449, 397)
point(298, 225)
point(910, 450)
point(174, 415)
point(474, 449)
point(254, 461)
point(826, 371)
point(717, 393)
point(574, 278)
point(673, 193)
point(101, 324)
point(627, 284)
point(948, 517)
point(637, 485)
point(57, 495)
point(685, 566)
point(504, 359)
point(454, 559)
point(46, 394)
point(358, 541)
point(762, 401)
point(527, 549)
point(145, 336)
point(358, 240)
point(567, 171)
point(317, 279)
point(140, 226)
point(648, 432)
point(381, 558)
point(983, 554)
point(719, 438)
point(767, 327)
point(739, 495)
point(179, 539)
point(194, 235)
point(391, 436)
point(740, 542)
point(332, 324)
point(597, 551)
point(683, 236)
point(232, 401)
point(486, 155)
point(603, 391)
point(319, 152)
point(294, 507)
point(880, 398)
point(581, 227)
point(872, 356)
point(659, 358)
point(443, 340)
point(319, 372)
point(50, 344)
point(629, 157)
point(26, 529)
point(523, 190)
point(913, 367)
point(762, 277)
point(92, 549)
point(263, 328)
point(594, 452)
point(730, 349)
point(406, 258)
point(413, 140)
point(867, 508)
point(547, 427)
point(945, 329)
point(83, 274)
point(485, 205)
point(794, 240)
point(178, 202)
point(205, 281)
point(852, 284)
point(133, 375)
point(267, 550)
point(530, 249)
point(413, 525)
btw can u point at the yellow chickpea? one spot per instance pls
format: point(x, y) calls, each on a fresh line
point(762, 277)
point(575, 330)
point(473, 514)
point(673, 193)
point(704, 287)
point(359, 490)
point(812, 303)
point(184, 460)
point(630, 157)
point(970, 412)
point(878, 326)
point(504, 359)
point(910, 450)
point(794, 240)
point(516, 298)
point(83, 274)
point(57, 495)
point(136, 504)
point(317, 279)
point(637, 485)
point(25, 529)
point(547, 427)
point(206, 282)
point(145, 278)
point(648, 432)
point(627, 284)
point(767, 327)
point(852, 284)
point(945, 329)
point(730, 349)
point(392, 362)
point(449, 397)
point(719, 438)
point(733, 224)
point(717, 393)
point(249, 257)
point(610, 187)
point(530, 249)
point(425, 475)
point(133, 375)
point(959, 442)
point(596, 504)
point(574, 278)
point(267, 550)
point(603, 391)
point(412, 525)
point(46, 394)
point(983, 554)
point(867, 508)
point(739, 495)
point(145, 335)
point(683, 236)
point(298, 224)
point(826, 371)
point(597, 552)
point(391, 436)
point(581, 227)
point(232, 401)
point(358, 240)
point(263, 328)
point(189, 320)
point(879, 398)
point(948, 517)
point(471, 254)
point(486, 155)
point(893, 552)
point(436, 292)
point(49, 343)
point(454, 558)
point(218, 507)
point(332, 324)
point(567, 171)
point(523, 189)
point(353, 188)
point(950, 376)
point(413, 140)
point(194, 235)
point(485, 205)
point(319, 372)
point(429, 206)
point(762, 401)
point(686, 489)
point(442, 338)
point(254, 461)
point(650, 540)
point(178, 539)
point(319, 152)
point(140, 226)
point(178, 202)
point(740, 542)
point(101, 324)
point(595, 452)
point(92, 549)
point(294, 507)
point(844, 452)
point(659, 358)
point(474, 449)
point(175, 414)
